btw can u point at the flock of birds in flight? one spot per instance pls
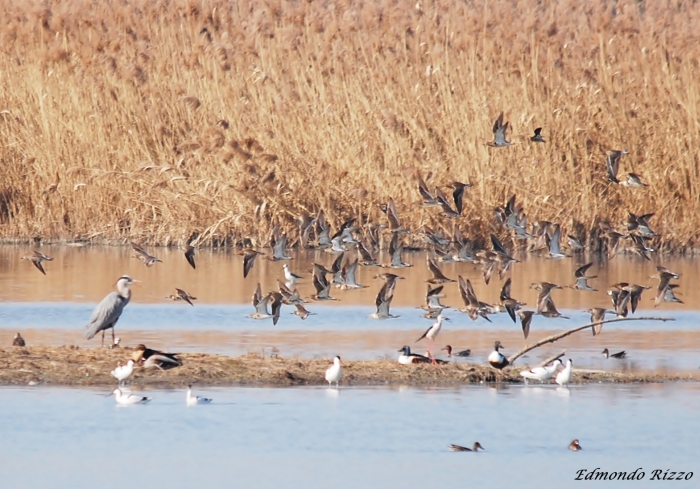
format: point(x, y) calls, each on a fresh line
point(542, 237)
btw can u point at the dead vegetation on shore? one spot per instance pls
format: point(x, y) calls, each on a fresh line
point(68, 366)
point(150, 121)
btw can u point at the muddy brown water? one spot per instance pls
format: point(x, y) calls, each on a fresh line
point(52, 310)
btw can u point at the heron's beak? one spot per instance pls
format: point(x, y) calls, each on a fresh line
point(136, 282)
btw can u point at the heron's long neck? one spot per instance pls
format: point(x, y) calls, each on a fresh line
point(124, 290)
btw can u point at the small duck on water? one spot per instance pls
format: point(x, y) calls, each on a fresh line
point(458, 448)
point(620, 355)
point(575, 446)
point(463, 353)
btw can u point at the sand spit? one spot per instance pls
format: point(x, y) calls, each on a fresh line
point(71, 366)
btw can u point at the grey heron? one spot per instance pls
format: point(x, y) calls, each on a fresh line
point(107, 312)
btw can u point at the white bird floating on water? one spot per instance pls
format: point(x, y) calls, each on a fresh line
point(541, 373)
point(564, 377)
point(195, 400)
point(122, 372)
point(129, 399)
point(335, 372)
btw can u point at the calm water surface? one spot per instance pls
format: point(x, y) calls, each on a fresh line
point(53, 309)
point(354, 437)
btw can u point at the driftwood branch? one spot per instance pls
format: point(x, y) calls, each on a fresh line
point(551, 359)
point(558, 336)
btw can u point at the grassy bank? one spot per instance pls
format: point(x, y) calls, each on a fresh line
point(91, 367)
point(150, 121)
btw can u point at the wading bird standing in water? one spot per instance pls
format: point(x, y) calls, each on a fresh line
point(107, 312)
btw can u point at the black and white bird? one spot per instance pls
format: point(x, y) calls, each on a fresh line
point(432, 333)
point(195, 400)
point(496, 358)
point(335, 372)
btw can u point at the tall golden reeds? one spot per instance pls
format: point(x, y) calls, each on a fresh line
point(151, 120)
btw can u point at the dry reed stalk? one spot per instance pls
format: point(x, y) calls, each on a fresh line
point(312, 101)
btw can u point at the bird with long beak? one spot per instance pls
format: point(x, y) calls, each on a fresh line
point(107, 312)
point(431, 334)
point(122, 372)
point(129, 399)
point(36, 258)
point(181, 296)
point(334, 373)
point(564, 377)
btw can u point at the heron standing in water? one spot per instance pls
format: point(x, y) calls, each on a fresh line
point(107, 312)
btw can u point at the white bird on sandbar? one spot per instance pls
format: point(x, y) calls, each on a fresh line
point(335, 372)
point(541, 373)
point(564, 377)
point(122, 372)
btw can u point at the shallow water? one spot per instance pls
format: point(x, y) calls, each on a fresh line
point(87, 274)
point(354, 437)
point(53, 309)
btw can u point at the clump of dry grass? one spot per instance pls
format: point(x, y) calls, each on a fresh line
point(91, 367)
point(152, 120)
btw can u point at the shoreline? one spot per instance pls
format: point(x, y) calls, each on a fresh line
point(74, 366)
point(230, 245)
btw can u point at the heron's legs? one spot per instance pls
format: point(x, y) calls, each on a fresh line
point(103, 338)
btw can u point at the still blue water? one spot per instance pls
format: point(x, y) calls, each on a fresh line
point(354, 437)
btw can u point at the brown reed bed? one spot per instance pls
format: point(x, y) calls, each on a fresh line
point(150, 121)
point(70, 366)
